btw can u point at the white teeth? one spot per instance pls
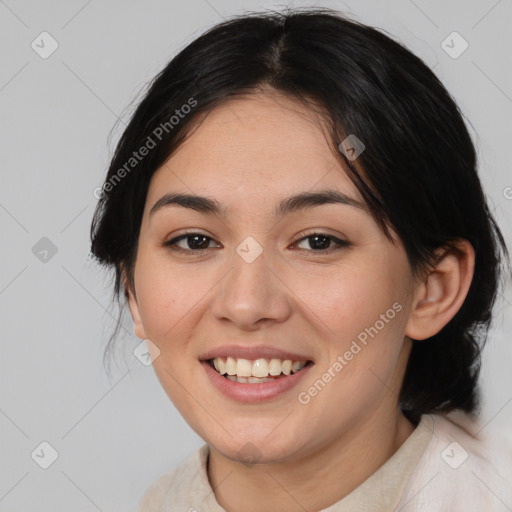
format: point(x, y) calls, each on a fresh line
point(230, 366)
point(243, 368)
point(275, 367)
point(249, 380)
point(221, 366)
point(296, 366)
point(258, 370)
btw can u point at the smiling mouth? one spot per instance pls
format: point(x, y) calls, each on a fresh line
point(256, 371)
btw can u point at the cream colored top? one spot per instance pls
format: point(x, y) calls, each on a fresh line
point(440, 467)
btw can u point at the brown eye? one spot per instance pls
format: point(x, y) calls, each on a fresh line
point(320, 242)
point(190, 242)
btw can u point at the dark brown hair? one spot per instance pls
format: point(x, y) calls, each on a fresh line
point(418, 173)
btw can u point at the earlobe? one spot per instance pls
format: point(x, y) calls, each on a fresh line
point(133, 306)
point(442, 291)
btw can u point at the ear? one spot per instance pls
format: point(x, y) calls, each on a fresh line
point(131, 299)
point(441, 292)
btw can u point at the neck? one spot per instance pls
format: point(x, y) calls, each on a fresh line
point(292, 485)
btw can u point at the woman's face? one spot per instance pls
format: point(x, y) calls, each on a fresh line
point(253, 283)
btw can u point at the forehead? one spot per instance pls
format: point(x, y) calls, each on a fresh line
point(252, 145)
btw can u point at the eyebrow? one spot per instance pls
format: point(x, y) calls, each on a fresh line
point(294, 203)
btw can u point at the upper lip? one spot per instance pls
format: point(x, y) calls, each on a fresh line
point(252, 352)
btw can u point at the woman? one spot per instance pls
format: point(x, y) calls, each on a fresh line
point(294, 217)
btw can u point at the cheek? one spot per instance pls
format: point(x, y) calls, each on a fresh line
point(167, 297)
point(360, 312)
point(349, 298)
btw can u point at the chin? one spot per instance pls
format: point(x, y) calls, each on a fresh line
point(256, 449)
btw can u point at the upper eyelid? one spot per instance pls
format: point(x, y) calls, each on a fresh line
point(302, 236)
point(183, 236)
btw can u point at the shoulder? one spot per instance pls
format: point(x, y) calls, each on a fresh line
point(174, 485)
point(465, 467)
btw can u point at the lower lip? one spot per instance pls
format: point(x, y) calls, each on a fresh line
point(253, 393)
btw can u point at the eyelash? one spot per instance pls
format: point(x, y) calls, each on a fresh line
point(171, 244)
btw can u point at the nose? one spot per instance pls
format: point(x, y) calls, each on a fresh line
point(251, 295)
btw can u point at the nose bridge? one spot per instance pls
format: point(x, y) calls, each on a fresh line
point(251, 291)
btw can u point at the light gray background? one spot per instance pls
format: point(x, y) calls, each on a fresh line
point(115, 435)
